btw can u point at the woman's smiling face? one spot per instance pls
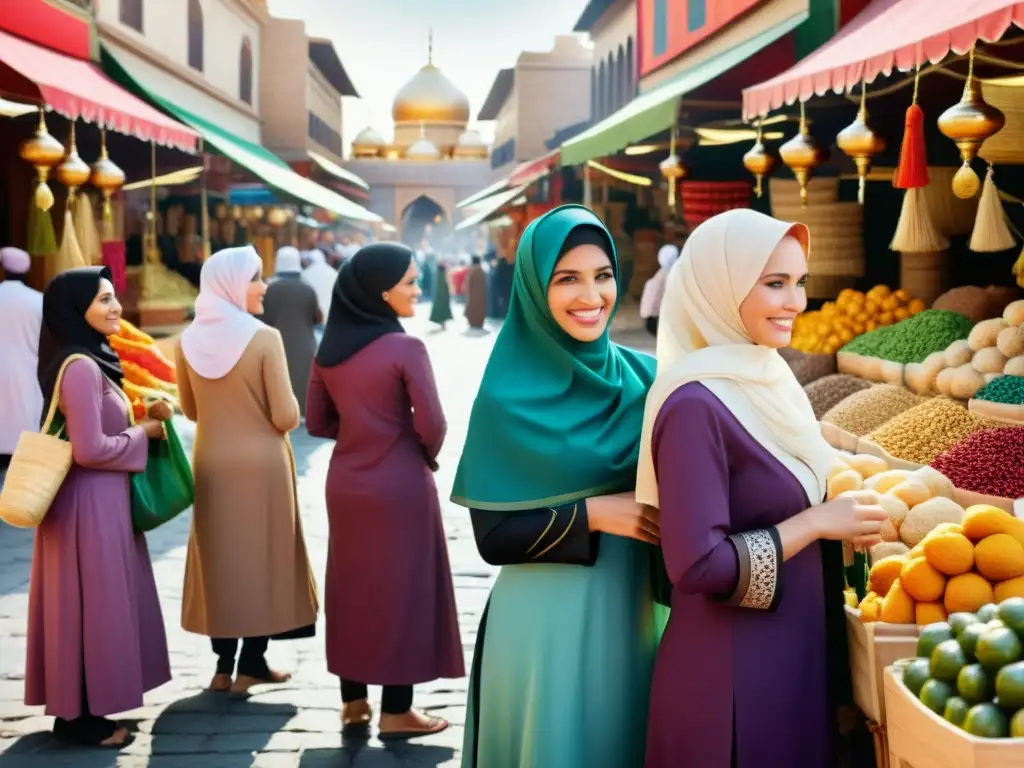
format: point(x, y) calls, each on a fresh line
point(582, 292)
point(778, 296)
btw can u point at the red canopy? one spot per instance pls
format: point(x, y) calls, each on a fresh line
point(77, 89)
point(529, 172)
point(888, 35)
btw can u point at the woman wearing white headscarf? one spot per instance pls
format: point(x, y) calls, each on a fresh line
point(247, 574)
point(654, 289)
point(322, 276)
point(291, 306)
point(21, 317)
point(733, 457)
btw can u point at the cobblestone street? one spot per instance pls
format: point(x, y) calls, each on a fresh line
point(290, 726)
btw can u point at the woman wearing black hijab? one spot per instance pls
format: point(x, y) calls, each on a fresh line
point(372, 391)
point(96, 637)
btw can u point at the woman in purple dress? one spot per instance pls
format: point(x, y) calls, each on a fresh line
point(96, 638)
point(733, 457)
point(390, 603)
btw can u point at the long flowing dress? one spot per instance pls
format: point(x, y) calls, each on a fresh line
point(94, 619)
point(441, 309)
point(246, 573)
point(292, 308)
point(21, 400)
point(390, 603)
point(743, 671)
point(476, 296)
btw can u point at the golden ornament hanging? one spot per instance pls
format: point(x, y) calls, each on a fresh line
point(277, 217)
point(672, 170)
point(759, 161)
point(861, 143)
point(802, 155)
point(42, 152)
point(106, 176)
point(969, 123)
point(73, 172)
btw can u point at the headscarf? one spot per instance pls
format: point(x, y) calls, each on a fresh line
point(701, 337)
point(288, 261)
point(359, 315)
point(222, 329)
point(15, 261)
point(667, 255)
point(66, 332)
point(556, 419)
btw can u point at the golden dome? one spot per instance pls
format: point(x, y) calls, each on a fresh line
point(470, 146)
point(368, 143)
point(423, 149)
point(430, 97)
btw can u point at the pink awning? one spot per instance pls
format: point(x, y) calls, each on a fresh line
point(78, 89)
point(529, 172)
point(888, 35)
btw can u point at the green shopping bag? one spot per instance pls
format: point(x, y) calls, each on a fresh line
point(165, 488)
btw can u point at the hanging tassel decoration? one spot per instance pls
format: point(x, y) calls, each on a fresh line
point(991, 233)
point(86, 233)
point(915, 231)
point(69, 255)
point(41, 240)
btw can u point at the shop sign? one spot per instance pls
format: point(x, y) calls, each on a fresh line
point(62, 26)
point(668, 28)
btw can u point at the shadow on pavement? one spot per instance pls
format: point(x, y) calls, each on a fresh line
point(365, 754)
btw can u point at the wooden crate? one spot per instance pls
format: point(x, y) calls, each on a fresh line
point(873, 647)
point(918, 738)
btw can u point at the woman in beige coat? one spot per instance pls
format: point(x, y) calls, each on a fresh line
point(247, 574)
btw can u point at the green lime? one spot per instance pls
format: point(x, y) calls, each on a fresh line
point(974, 684)
point(1010, 685)
point(956, 711)
point(987, 721)
point(968, 639)
point(997, 647)
point(935, 694)
point(917, 673)
point(1017, 725)
point(988, 612)
point(947, 660)
point(931, 635)
point(958, 621)
point(1011, 613)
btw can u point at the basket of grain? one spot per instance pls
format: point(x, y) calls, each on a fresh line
point(919, 434)
point(863, 412)
point(829, 391)
point(918, 738)
point(986, 468)
point(1002, 399)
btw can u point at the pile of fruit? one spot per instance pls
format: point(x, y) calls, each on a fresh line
point(969, 669)
point(851, 314)
point(993, 348)
point(149, 377)
point(953, 567)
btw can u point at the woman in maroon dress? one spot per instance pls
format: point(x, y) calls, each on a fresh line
point(733, 457)
point(390, 604)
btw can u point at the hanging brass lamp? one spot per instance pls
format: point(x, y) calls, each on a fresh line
point(969, 123)
point(802, 155)
point(42, 152)
point(759, 161)
point(861, 143)
point(106, 176)
point(73, 172)
point(672, 169)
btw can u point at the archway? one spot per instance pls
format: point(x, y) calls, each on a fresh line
point(423, 217)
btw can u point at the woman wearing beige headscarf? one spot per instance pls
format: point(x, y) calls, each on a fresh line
point(732, 456)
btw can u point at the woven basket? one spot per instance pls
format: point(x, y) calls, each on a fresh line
point(925, 275)
point(1007, 146)
point(786, 193)
point(38, 467)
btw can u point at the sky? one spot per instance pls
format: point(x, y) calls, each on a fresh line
point(383, 43)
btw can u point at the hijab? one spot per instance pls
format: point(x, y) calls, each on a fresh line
point(222, 329)
point(288, 261)
point(359, 315)
point(66, 332)
point(702, 338)
point(555, 419)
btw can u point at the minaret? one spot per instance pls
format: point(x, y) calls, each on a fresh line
point(430, 46)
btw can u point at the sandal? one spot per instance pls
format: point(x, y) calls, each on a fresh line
point(221, 683)
point(89, 731)
point(243, 683)
point(433, 725)
point(353, 716)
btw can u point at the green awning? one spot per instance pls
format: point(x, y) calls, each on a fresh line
point(259, 160)
point(655, 111)
point(491, 207)
point(499, 186)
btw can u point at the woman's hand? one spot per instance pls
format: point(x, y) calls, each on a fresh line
point(622, 515)
point(856, 518)
point(154, 429)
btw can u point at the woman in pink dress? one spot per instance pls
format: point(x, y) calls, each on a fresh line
point(390, 604)
point(96, 638)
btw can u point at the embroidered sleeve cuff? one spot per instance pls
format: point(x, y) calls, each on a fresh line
point(759, 554)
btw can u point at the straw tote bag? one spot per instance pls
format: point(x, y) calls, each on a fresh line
point(39, 465)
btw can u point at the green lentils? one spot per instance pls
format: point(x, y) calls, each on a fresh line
point(831, 390)
point(1005, 389)
point(864, 411)
point(913, 339)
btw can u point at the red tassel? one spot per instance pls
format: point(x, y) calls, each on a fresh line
point(912, 171)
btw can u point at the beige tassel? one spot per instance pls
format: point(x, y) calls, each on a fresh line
point(915, 231)
point(991, 234)
point(69, 255)
point(85, 229)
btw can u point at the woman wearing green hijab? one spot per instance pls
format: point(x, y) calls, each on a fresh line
point(562, 668)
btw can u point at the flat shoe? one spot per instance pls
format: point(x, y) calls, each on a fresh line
point(221, 683)
point(437, 724)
